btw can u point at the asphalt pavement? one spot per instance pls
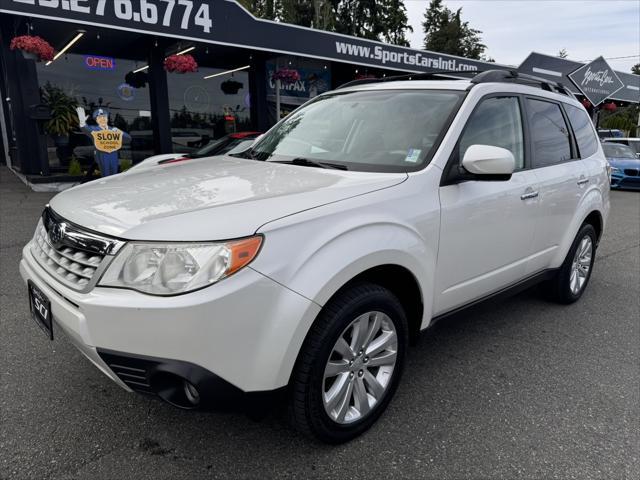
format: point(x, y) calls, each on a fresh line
point(521, 388)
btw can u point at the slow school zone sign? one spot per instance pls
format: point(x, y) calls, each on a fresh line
point(107, 141)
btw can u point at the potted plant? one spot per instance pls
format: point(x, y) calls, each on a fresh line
point(33, 47)
point(180, 64)
point(63, 119)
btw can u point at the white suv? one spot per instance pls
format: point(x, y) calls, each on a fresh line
point(306, 267)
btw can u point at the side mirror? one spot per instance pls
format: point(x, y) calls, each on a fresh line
point(489, 162)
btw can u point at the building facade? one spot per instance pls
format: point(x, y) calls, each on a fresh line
point(113, 58)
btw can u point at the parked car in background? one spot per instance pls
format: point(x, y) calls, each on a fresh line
point(625, 165)
point(229, 144)
point(610, 133)
point(632, 142)
point(304, 267)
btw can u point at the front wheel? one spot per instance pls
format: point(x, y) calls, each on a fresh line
point(572, 279)
point(350, 364)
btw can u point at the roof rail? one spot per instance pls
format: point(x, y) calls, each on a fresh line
point(410, 76)
point(485, 76)
point(513, 76)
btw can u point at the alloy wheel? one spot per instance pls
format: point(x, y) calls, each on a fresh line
point(360, 367)
point(581, 265)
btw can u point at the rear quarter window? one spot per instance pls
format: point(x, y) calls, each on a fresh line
point(582, 130)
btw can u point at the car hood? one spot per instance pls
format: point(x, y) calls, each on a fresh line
point(623, 162)
point(204, 200)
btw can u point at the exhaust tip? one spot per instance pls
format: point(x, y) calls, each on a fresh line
point(192, 394)
point(176, 390)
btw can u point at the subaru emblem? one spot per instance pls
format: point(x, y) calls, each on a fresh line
point(56, 232)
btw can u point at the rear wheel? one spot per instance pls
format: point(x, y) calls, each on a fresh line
point(350, 364)
point(573, 277)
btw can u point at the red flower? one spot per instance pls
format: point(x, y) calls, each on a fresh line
point(33, 44)
point(586, 103)
point(180, 64)
point(286, 76)
point(610, 106)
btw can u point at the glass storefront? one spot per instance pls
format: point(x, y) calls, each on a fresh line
point(93, 82)
point(207, 105)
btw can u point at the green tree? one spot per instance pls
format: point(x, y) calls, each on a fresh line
point(624, 118)
point(563, 53)
point(636, 69)
point(384, 20)
point(446, 32)
point(268, 9)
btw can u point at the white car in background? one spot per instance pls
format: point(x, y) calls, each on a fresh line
point(303, 267)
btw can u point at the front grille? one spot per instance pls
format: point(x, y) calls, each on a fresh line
point(72, 266)
point(72, 255)
point(632, 172)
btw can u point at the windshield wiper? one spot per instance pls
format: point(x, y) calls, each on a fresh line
point(305, 162)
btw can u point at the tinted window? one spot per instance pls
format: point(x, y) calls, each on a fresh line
point(549, 133)
point(583, 131)
point(615, 150)
point(496, 122)
point(633, 144)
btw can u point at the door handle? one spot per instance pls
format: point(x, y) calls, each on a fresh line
point(583, 181)
point(528, 195)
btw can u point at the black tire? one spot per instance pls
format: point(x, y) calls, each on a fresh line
point(306, 408)
point(559, 286)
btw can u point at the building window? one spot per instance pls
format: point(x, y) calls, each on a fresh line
point(98, 82)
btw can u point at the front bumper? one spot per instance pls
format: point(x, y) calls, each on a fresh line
point(245, 330)
point(622, 181)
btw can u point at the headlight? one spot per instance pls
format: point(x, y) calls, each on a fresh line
point(615, 170)
point(174, 268)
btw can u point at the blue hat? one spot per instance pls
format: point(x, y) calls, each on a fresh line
point(100, 112)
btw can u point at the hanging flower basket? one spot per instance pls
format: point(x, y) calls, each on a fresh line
point(610, 106)
point(286, 76)
point(231, 87)
point(586, 103)
point(180, 64)
point(33, 47)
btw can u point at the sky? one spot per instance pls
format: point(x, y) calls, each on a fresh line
point(511, 29)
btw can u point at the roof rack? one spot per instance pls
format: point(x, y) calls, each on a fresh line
point(513, 76)
point(485, 76)
point(410, 76)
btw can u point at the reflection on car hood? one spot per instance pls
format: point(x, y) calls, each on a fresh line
point(624, 162)
point(204, 200)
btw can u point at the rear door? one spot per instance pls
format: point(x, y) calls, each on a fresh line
point(487, 227)
point(562, 177)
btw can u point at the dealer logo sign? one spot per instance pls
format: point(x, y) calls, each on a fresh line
point(596, 80)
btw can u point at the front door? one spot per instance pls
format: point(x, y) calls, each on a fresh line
point(487, 227)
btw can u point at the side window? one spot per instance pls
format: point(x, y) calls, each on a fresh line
point(550, 140)
point(497, 122)
point(582, 130)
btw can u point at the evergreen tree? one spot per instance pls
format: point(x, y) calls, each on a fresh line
point(563, 53)
point(384, 20)
point(636, 69)
point(446, 32)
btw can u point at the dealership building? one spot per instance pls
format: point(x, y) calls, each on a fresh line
point(111, 55)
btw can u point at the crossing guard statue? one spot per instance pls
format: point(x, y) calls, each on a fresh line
point(106, 140)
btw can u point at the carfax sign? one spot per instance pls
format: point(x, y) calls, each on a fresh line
point(596, 80)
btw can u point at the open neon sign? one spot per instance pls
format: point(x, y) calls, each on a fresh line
point(96, 62)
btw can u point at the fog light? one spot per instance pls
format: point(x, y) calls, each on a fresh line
point(191, 393)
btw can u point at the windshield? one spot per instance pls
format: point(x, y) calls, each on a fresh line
point(618, 151)
point(380, 130)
